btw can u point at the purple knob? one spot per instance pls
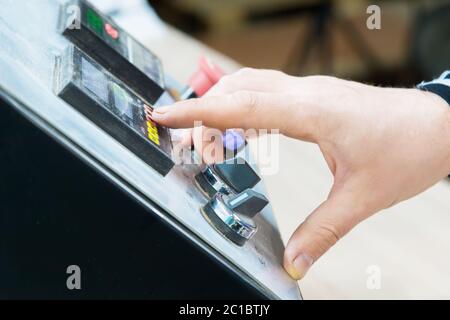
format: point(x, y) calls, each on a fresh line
point(234, 141)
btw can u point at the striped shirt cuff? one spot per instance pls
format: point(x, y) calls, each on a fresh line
point(439, 86)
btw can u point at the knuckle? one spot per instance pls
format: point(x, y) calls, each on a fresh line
point(191, 102)
point(329, 234)
point(246, 99)
point(276, 73)
point(321, 80)
point(249, 72)
point(224, 82)
point(196, 104)
point(197, 108)
point(246, 72)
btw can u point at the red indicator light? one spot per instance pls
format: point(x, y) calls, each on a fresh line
point(111, 31)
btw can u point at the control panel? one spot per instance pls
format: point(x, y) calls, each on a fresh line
point(115, 50)
point(133, 64)
point(110, 104)
point(101, 83)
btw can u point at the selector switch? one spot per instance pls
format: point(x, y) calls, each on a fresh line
point(237, 174)
point(233, 204)
point(248, 203)
point(231, 177)
point(233, 215)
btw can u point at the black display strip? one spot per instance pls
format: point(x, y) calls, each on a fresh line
point(108, 103)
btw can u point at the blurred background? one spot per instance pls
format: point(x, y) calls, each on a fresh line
point(304, 37)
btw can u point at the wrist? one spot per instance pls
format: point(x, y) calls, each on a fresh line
point(446, 133)
point(447, 120)
point(437, 117)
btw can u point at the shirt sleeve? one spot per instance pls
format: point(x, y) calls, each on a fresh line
point(439, 86)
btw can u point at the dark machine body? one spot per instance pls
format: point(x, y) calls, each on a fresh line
point(58, 209)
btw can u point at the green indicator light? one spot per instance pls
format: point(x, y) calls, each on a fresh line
point(95, 21)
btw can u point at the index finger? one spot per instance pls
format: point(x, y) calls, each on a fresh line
point(242, 109)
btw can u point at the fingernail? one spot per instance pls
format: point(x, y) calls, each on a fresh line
point(301, 265)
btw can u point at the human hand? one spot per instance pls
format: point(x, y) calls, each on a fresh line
point(383, 145)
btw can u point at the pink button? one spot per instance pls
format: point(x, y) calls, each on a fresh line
point(206, 76)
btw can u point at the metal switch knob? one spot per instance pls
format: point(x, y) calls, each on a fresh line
point(230, 177)
point(232, 215)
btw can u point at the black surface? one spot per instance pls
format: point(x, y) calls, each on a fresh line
point(237, 173)
point(56, 211)
point(250, 206)
point(440, 89)
point(140, 146)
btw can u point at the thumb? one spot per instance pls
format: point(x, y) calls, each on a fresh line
point(319, 232)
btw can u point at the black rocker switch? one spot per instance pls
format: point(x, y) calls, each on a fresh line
point(231, 177)
point(248, 203)
point(237, 174)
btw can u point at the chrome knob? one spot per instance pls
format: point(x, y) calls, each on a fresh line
point(233, 215)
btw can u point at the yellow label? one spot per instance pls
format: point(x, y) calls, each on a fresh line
point(153, 132)
point(151, 126)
